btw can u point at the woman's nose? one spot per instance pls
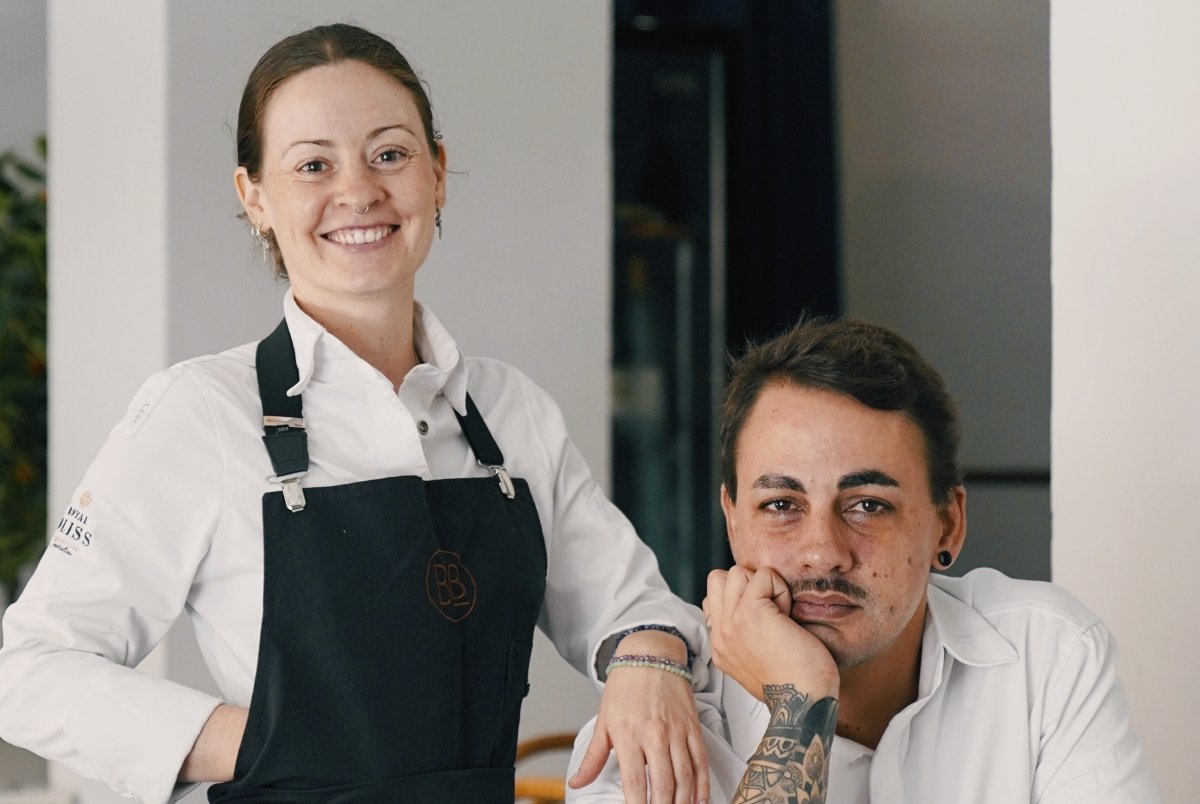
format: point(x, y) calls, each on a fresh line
point(360, 188)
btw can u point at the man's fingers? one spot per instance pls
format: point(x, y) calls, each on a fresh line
point(594, 757)
point(766, 583)
point(735, 587)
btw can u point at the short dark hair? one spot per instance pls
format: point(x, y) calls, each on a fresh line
point(318, 47)
point(872, 364)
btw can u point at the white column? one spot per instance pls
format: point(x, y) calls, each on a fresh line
point(108, 236)
point(1126, 277)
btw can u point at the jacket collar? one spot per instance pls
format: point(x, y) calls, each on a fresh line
point(443, 371)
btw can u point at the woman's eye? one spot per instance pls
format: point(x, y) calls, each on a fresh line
point(393, 155)
point(314, 166)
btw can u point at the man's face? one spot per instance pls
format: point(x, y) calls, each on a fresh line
point(834, 496)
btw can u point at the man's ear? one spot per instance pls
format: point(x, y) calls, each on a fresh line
point(727, 507)
point(250, 194)
point(953, 516)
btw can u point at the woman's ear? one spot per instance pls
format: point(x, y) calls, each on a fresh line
point(439, 172)
point(250, 194)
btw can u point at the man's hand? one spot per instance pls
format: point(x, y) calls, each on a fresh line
point(755, 640)
point(648, 717)
point(215, 751)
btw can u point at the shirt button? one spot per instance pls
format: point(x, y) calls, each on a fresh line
point(422, 427)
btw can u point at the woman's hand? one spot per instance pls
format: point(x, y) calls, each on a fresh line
point(755, 640)
point(648, 716)
point(215, 751)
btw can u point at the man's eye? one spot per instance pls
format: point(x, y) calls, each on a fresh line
point(870, 506)
point(778, 505)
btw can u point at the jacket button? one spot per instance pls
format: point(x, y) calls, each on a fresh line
point(422, 427)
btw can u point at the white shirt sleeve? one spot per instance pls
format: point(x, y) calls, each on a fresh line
point(1089, 753)
point(725, 767)
point(113, 580)
point(602, 577)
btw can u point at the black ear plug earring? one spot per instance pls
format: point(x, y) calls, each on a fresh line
point(945, 559)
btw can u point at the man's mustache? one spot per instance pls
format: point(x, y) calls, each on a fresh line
point(834, 584)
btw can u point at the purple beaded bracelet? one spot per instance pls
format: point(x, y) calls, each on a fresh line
point(666, 629)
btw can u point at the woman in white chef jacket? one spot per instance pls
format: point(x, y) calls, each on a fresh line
point(366, 609)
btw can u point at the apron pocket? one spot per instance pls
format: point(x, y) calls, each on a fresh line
point(516, 687)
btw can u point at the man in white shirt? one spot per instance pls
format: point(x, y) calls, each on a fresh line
point(842, 494)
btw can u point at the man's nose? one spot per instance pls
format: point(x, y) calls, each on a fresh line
point(824, 545)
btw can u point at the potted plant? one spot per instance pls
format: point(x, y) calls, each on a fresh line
point(22, 364)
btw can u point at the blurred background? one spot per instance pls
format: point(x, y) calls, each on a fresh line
point(640, 187)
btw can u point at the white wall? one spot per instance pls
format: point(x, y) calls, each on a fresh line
point(1126, 275)
point(149, 264)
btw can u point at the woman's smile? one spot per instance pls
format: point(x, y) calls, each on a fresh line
point(360, 235)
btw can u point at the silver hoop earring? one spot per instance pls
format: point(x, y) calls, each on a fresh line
point(437, 221)
point(264, 241)
point(364, 210)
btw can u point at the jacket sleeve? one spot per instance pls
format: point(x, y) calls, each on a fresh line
point(601, 577)
point(114, 578)
point(1089, 752)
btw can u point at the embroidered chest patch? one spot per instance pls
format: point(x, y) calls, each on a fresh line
point(450, 585)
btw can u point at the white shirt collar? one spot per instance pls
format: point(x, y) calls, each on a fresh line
point(443, 371)
point(963, 631)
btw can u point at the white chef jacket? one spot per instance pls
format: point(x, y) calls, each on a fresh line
point(169, 519)
point(1018, 701)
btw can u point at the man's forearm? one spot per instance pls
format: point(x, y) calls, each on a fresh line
point(792, 761)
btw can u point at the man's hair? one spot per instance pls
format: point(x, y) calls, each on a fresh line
point(872, 364)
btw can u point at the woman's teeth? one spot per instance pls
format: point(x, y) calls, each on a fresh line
point(358, 237)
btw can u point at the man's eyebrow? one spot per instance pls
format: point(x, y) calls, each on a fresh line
point(770, 481)
point(866, 477)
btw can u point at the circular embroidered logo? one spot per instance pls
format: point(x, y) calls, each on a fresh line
point(450, 585)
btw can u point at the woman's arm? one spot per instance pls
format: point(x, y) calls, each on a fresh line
point(115, 577)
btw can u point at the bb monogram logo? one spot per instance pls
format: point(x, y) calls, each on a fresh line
point(450, 586)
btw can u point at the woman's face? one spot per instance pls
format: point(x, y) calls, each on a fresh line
point(335, 139)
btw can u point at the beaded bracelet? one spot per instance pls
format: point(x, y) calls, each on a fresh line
point(657, 662)
point(666, 629)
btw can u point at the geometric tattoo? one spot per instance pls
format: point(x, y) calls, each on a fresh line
point(792, 762)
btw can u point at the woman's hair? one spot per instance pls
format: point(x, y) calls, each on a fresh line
point(318, 47)
point(873, 365)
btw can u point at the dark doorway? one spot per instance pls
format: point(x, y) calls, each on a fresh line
point(725, 228)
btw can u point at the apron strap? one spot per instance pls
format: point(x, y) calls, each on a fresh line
point(283, 420)
point(487, 451)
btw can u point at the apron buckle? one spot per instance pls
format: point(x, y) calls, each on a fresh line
point(506, 484)
point(293, 494)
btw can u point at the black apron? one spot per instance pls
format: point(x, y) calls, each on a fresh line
point(398, 619)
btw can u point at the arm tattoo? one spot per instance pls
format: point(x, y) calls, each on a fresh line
point(791, 763)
